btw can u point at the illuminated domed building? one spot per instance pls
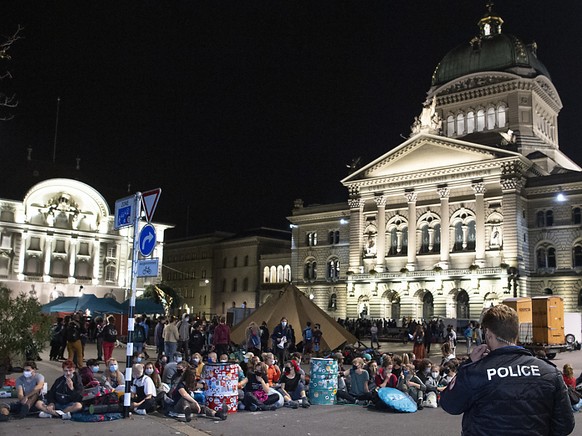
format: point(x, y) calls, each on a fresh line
point(477, 205)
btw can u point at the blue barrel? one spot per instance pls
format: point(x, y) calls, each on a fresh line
point(323, 381)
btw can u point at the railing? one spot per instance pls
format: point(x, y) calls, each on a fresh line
point(430, 273)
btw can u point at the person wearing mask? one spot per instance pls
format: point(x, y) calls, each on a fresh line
point(138, 357)
point(257, 396)
point(74, 330)
point(197, 364)
point(28, 388)
point(317, 335)
point(281, 338)
point(358, 379)
point(109, 338)
point(264, 336)
point(197, 339)
point(171, 368)
point(185, 405)
point(112, 377)
point(221, 337)
point(99, 337)
point(150, 370)
point(88, 374)
point(503, 389)
point(143, 397)
point(412, 385)
point(65, 395)
point(292, 386)
point(384, 377)
point(171, 337)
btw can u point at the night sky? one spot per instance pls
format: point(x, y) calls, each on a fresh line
point(235, 109)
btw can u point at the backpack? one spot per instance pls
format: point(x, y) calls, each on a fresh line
point(308, 334)
point(256, 341)
point(139, 334)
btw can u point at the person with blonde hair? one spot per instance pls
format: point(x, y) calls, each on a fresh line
point(113, 378)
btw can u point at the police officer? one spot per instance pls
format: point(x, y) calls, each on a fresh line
point(504, 390)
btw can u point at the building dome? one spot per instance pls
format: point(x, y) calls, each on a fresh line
point(492, 50)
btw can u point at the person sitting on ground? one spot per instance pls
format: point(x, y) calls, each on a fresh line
point(410, 384)
point(423, 370)
point(433, 381)
point(151, 371)
point(138, 357)
point(568, 375)
point(212, 357)
point(397, 366)
point(297, 358)
point(143, 398)
point(113, 378)
point(292, 386)
point(257, 396)
point(88, 374)
point(447, 353)
point(170, 368)
point(384, 377)
point(65, 395)
point(358, 378)
point(181, 368)
point(184, 403)
point(197, 364)
point(449, 372)
point(372, 371)
point(28, 388)
point(273, 371)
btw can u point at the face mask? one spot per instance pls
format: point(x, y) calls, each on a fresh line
point(27, 374)
point(355, 367)
point(196, 360)
point(287, 370)
point(138, 360)
point(179, 371)
point(149, 371)
point(210, 360)
point(113, 368)
point(406, 373)
point(427, 370)
point(284, 324)
point(95, 369)
point(435, 374)
point(223, 361)
point(178, 359)
point(246, 360)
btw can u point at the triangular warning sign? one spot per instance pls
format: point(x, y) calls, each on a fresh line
point(149, 201)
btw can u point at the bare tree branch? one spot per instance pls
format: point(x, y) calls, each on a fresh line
point(5, 46)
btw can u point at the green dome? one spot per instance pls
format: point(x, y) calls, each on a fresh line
point(491, 51)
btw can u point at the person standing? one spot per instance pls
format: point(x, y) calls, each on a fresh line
point(56, 339)
point(317, 334)
point(264, 336)
point(171, 337)
point(308, 339)
point(74, 344)
point(221, 337)
point(468, 334)
point(503, 389)
point(99, 337)
point(418, 341)
point(109, 338)
point(184, 334)
point(374, 335)
point(281, 339)
point(159, 335)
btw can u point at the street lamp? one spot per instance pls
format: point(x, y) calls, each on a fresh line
point(512, 280)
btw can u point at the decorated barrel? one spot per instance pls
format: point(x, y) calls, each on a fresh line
point(221, 380)
point(323, 381)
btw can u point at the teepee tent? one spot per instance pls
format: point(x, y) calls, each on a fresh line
point(298, 309)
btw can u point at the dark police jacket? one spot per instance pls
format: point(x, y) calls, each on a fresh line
point(510, 392)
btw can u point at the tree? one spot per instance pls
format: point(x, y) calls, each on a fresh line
point(164, 295)
point(8, 102)
point(24, 329)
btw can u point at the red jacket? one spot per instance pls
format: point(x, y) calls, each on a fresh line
point(221, 335)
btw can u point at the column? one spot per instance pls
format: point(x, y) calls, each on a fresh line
point(22, 256)
point(72, 259)
point(356, 237)
point(479, 189)
point(381, 237)
point(512, 227)
point(96, 261)
point(48, 254)
point(411, 199)
point(445, 224)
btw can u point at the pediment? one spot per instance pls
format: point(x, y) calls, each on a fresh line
point(425, 153)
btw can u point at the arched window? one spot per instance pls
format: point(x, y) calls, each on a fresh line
point(480, 120)
point(577, 256)
point(404, 248)
point(470, 122)
point(332, 305)
point(576, 216)
point(546, 257)
point(540, 220)
point(266, 274)
point(333, 269)
point(463, 311)
point(393, 245)
point(551, 257)
point(549, 218)
point(110, 273)
point(273, 274)
point(427, 306)
point(458, 237)
point(490, 118)
point(460, 124)
point(436, 248)
point(501, 115)
point(280, 274)
point(287, 273)
point(471, 235)
point(424, 240)
point(310, 270)
point(548, 291)
point(450, 125)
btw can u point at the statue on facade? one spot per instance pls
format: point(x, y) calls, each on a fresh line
point(429, 121)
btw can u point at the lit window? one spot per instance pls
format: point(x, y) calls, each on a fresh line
point(480, 120)
point(501, 115)
point(450, 125)
point(470, 122)
point(310, 270)
point(460, 124)
point(333, 269)
point(490, 118)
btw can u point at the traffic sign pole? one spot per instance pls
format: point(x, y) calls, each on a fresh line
point(131, 309)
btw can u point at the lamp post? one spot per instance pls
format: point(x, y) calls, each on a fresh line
point(512, 280)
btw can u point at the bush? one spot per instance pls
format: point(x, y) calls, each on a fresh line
point(24, 329)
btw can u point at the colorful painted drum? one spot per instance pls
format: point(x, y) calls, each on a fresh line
point(221, 380)
point(323, 381)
